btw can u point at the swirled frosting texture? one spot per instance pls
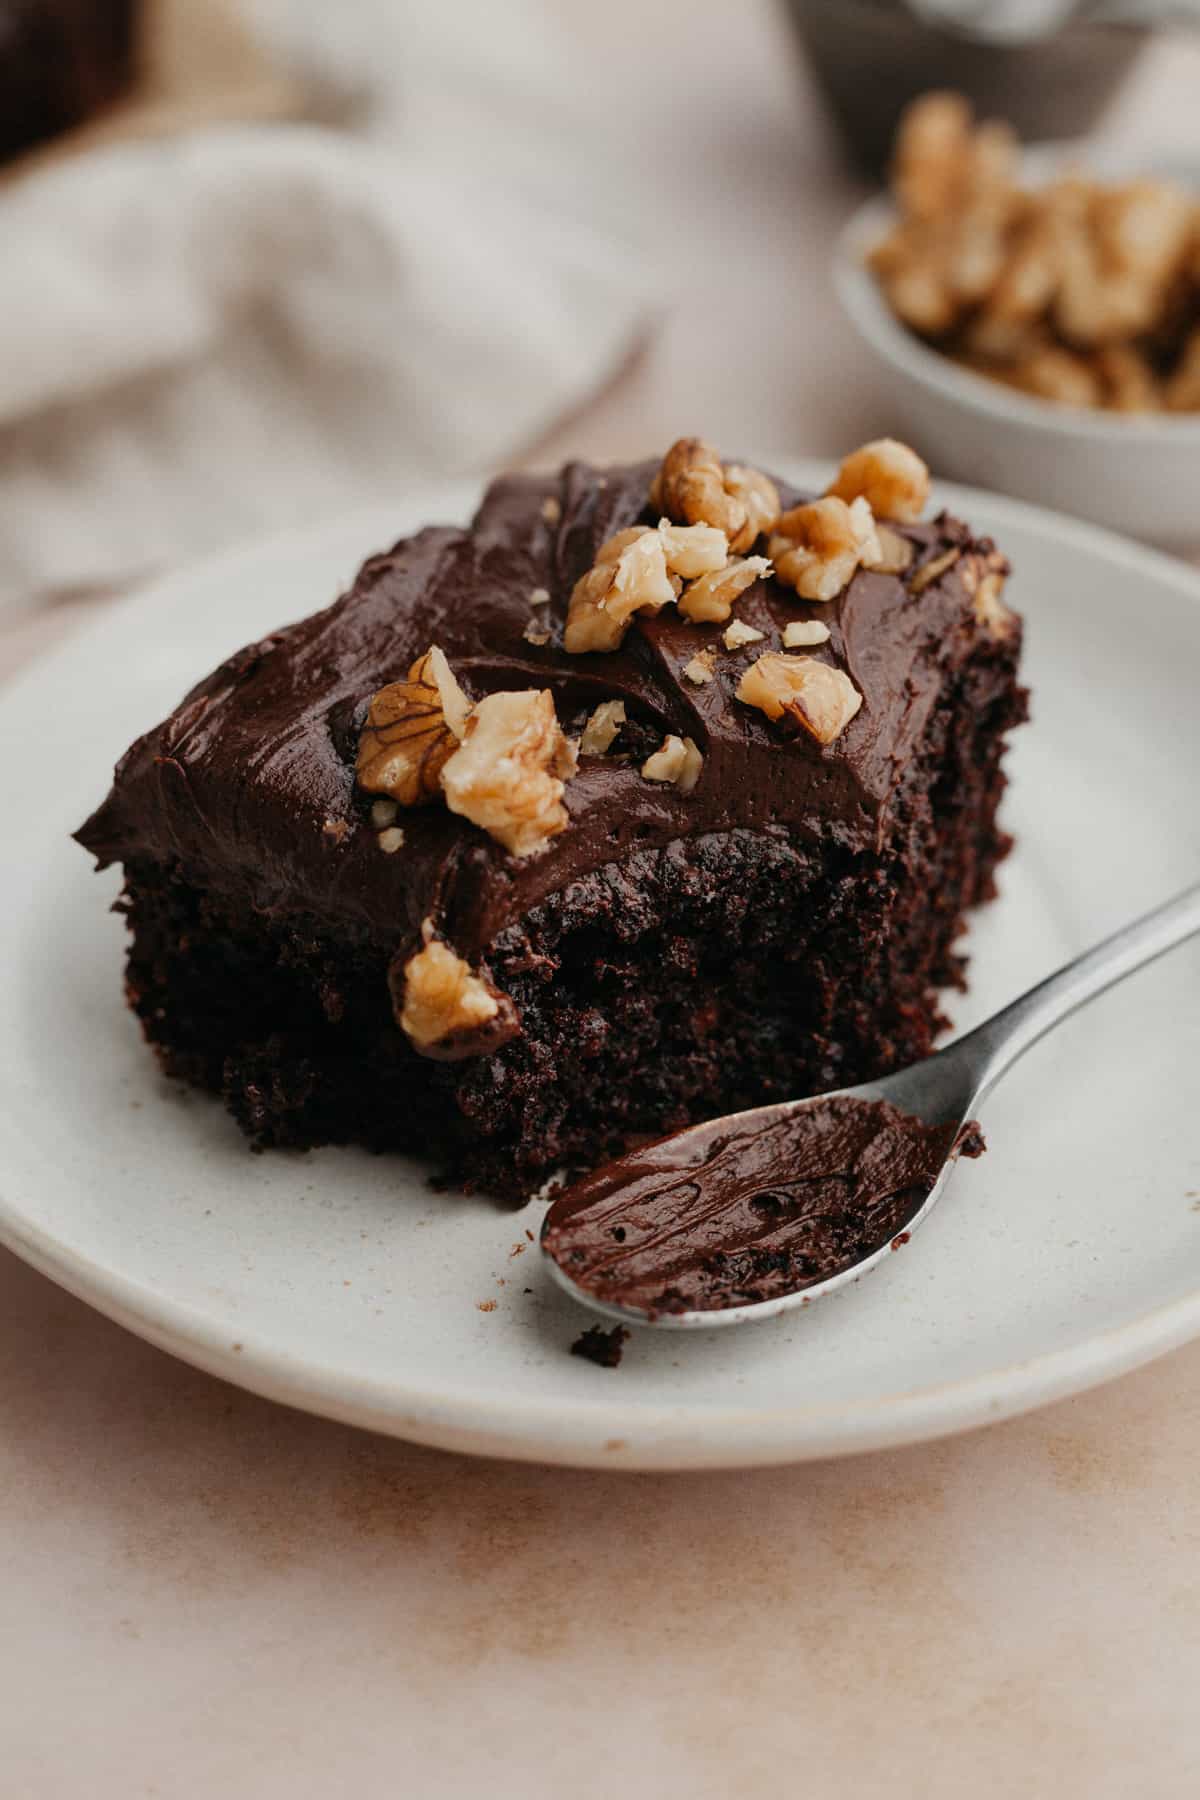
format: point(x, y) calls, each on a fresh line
point(249, 783)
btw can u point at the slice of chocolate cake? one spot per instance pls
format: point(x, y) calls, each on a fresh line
point(655, 792)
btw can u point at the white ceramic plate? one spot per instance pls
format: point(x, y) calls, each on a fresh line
point(339, 1282)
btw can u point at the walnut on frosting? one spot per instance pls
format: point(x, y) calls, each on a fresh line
point(983, 576)
point(693, 487)
point(677, 760)
point(818, 546)
point(630, 575)
point(692, 551)
point(443, 999)
point(890, 477)
point(412, 729)
point(602, 728)
point(508, 773)
point(818, 697)
point(709, 601)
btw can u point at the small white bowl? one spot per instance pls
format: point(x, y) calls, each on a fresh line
point(1135, 473)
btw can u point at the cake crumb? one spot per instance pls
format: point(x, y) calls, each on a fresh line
point(335, 829)
point(517, 1250)
point(604, 1348)
point(391, 840)
point(486, 1305)
point(536, 633)
point(539, 596)
point(740, 634)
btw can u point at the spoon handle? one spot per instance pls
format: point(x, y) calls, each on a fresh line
point(995, 1045)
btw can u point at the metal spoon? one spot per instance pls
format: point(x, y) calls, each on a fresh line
point(943, 1089)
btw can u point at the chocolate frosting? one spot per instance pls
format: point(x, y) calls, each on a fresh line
point(729, 1213)
point(250, 782)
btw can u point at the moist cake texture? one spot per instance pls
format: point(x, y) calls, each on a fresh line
point(723, 907)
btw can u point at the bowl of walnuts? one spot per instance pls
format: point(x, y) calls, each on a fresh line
point(1038, 323)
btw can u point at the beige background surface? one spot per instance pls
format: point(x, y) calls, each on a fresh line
point(204, 1594)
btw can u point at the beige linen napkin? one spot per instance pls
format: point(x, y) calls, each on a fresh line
point(242, 328)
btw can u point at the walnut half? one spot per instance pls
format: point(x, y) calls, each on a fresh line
point(889, 476)
point(693, 488)
point(508, 773)
point(412, 729)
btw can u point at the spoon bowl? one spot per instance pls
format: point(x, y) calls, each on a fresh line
point(942, 1091)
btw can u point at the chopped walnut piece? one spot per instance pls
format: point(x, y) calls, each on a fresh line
point(760, 497)
point(412, 728)
point(507, 775)
point(602, 727)
point(1182, 391)
point(391, 840)
point(1129, 381)
point(800, 634)
point(383, 813)
point(701, 669)
point(895, 552)
point(1078, 291)
point(551, 509)
point(984, 578)
point(819, 545)
point(693, 488)
point(1059, 375)
point(677, 760)
point(820, 698)
point(630, 575)
point(1119, 260)
point(443, 998)
point(693, 550)
point(739, 634)
point(889, 476)
point(709, 601)
point(932, 140)
point(539, 596)
point(536, 632)
point(931, 571)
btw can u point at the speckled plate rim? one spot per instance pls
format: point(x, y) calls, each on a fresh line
point(605, 1434)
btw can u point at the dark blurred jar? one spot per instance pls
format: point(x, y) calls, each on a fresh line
point(61, 62)
point(871, 57)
